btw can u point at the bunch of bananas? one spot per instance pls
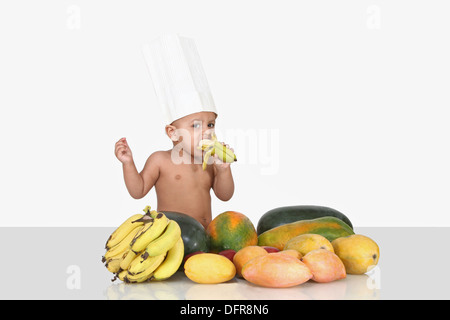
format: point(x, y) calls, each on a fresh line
point(145, 247)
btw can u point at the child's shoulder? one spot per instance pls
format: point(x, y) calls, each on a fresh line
point(160, 155)
point(158, 159)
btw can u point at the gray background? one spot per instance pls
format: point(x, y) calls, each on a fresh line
point(64, 263)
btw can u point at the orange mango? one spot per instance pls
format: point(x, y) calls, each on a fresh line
point(324, 265)
point(293, 253)
point(276, 270)
point(245, 255)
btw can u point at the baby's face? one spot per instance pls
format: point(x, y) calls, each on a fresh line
point(195, 127)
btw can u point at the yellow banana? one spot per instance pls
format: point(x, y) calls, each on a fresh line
point(151, 232)
point(139, 264)
point(123, 230)
point(122, 274)
point(144, 229)
point(212, 147)
point(115, 255)
point(165, 242)
point(113, 265)
point(119, 249)
point(127, 258)
point(153, 263)
point(171, 263)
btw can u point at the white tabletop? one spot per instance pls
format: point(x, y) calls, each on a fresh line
point(65, 263)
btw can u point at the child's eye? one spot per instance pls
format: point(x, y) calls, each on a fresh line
point(196, 125)
point(211, 125)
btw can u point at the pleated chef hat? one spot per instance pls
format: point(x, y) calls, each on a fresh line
point(178, 77)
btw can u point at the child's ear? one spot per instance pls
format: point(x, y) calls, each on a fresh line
point(171, 132)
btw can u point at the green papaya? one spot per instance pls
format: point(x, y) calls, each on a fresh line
point(279, 216)
point(329, 227)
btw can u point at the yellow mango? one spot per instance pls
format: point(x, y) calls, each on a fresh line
point(209, 268)
point(293, 253)
point(358, 253)
point(307, 242)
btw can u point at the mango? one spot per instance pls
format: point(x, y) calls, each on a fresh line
point(324, 265)
point(359, 253)
point(245, 255)
point(293, 253)
point(276, 270)
point(307, 242)
point(209, 268)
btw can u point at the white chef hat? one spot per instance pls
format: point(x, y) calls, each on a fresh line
point(178, 77)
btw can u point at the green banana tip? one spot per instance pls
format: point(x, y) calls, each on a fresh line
point(147, 209)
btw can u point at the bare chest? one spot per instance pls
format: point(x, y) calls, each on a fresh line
point(187, 176)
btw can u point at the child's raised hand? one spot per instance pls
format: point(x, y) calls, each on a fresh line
point(123, 151)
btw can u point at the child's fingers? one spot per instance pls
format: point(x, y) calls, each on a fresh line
point(122, 141)
point(228, 146)
point(119, 144)
point(217, 160)
point(121, 150)
point(120, 147)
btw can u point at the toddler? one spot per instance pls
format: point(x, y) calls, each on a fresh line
point(180, 183)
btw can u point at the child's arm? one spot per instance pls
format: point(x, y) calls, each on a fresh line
point(223, 180)
point(138, 184)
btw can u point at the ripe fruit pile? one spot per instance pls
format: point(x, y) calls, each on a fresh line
point(305, 257)
point(151, 247)
point(322, 249)
point(145, 247)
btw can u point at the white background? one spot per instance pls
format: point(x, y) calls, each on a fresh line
point(347, 102)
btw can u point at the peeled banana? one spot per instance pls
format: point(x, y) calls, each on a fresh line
point(145, 247)
point(212, 147)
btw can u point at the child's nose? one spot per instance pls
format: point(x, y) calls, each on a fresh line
point(207, 134)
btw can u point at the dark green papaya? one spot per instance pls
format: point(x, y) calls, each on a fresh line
point(192, 232)
point(283, 215)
